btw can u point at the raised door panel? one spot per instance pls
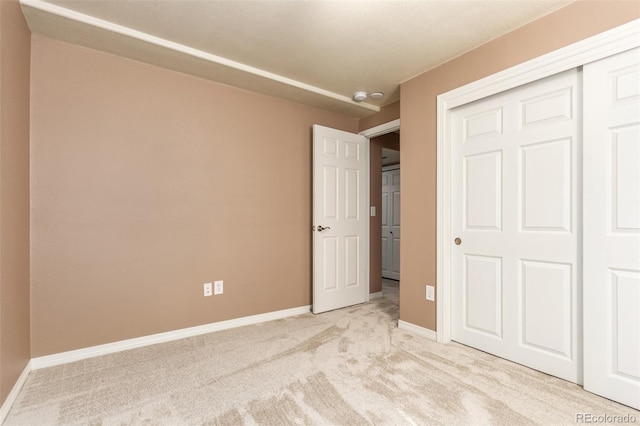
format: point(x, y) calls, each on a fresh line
point(395, 261)
point(483, 191)
point(482, 289)
point(330, 193)
point(624, 174)
point(546, 304)
point(546, 181)
point(395, 226)
point(330, 263)
point(624, 298)
point(351, 194)
point(483, 123)
point(547, 108)
point(351, 261)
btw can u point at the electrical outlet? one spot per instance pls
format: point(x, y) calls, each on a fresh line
point(207, 290)
point(218, 287)
point(430, 293)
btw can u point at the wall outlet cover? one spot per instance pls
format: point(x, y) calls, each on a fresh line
point(430, 293)
point(218, 287)
point(208, 289)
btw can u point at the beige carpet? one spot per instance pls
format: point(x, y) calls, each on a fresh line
point(348, 367)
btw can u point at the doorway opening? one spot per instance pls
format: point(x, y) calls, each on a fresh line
point(384, 163)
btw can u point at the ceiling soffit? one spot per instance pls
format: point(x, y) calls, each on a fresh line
point(312, 52)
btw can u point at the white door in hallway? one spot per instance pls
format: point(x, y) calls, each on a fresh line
point(516, 197)
point(340, 219)
point(391, 224)
point(612, 227)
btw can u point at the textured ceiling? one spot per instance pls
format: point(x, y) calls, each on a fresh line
point(314, 52)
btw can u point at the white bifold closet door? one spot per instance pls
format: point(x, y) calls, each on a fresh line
point(611, 283)
point(516, 200)
point(391, 224)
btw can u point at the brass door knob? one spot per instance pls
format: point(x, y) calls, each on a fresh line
point(458, 241)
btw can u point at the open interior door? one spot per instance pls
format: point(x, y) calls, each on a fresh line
point(340, 219)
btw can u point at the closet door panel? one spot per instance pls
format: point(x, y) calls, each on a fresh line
point(612, 227)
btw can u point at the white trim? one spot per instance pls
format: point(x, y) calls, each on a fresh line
point(181, 48)
point(382, 129)
point(416, 329)
point(376, 295)
point(597, 47)
point(123, 345)
point(367, 278)
point(11, 398)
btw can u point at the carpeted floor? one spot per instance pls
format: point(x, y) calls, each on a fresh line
point(347, 367)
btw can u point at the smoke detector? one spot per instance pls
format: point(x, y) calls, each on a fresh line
point(360, 96)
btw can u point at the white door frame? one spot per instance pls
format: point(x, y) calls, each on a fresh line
point(597, 47)
point(372, 132)
point(382, 129)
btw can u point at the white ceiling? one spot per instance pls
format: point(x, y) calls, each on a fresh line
point(315, 52)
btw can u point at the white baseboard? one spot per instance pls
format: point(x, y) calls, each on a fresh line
point(416, 329)
point(11, 398)
point(376, 295)
point(138, 342)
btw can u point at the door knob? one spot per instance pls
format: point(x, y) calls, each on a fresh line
point(458, 241)
point(322, 228)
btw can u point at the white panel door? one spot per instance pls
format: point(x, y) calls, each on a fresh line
point(516, 210)
point(391, 224)
point(340, 219)
point(387, 247)
point(612, 227)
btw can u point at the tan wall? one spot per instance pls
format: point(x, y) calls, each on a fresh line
point(418, 111)
point(390, 141)
point(14, 195)
point(387, 113)
point(147, 183)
